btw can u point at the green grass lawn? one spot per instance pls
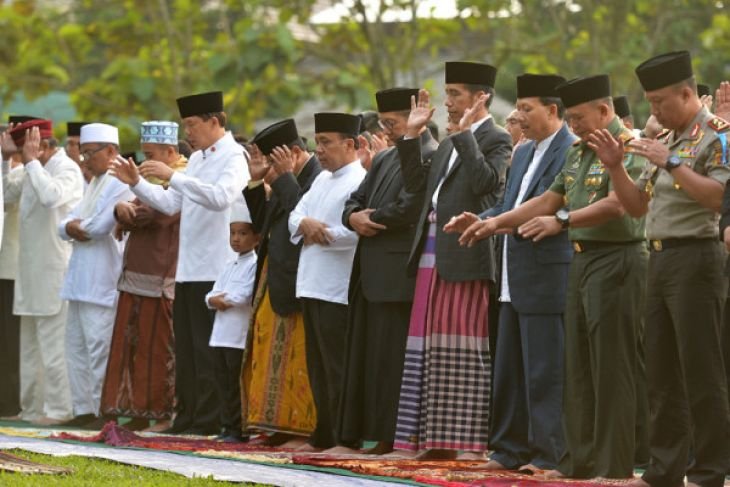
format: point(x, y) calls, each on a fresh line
point(97, 471)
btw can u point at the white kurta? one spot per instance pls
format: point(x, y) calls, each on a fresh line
point(231, 326)
point(96, 264)
point(203, 195)
point(324, 270)
point(10, 234)
point(45, 195)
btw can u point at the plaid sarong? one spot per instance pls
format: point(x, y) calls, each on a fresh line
point(444, 398)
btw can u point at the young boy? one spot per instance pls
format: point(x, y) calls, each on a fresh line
point(231, 298)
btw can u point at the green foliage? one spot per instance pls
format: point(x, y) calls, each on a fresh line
point(94, 472)
point(124, 61)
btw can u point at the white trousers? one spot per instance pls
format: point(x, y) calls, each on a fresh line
point(88, 337)
point(44, 388)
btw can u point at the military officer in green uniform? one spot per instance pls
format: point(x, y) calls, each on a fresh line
point(681, 189)
point(605, 286)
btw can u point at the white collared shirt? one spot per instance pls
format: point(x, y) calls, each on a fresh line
point(236, 281)
point(45, 195)
point(95, 264)
point(452, 160)
point(203, 194)
point(540, 149)
point(324, 270)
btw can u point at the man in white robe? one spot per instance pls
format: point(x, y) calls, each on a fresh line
point(51, 184)
point(90, 284)
point(215, 176)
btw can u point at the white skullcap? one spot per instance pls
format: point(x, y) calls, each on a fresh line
point(239, 211)
point(99, 133)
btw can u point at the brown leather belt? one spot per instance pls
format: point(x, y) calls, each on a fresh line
point(673, 243)
point(580, 246)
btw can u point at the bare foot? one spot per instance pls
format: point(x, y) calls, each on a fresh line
point(471, 456)
point(46, 421)
point(437, 454)
point(529, 469)
point(294, 443)
point(16, 417)
point(494, 465)
point(307, 448)
point(277, 439)
point(381, 448)
point(553, 474)
point(401, 454)
point(639, 482)
point(158, 427)
point(341, 450)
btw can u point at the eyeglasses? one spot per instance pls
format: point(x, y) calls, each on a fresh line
point(386, 124)
point(88, 154)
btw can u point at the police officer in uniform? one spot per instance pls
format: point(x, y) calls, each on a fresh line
point(605, 286)
point(682, 190)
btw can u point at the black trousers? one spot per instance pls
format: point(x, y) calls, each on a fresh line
point(688, 396)
point(9, 351)
point(228, 378)
point(325, 328)
point(195, 385)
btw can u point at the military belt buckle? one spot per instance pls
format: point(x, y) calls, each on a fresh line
point(577, 247)
point(656, 245)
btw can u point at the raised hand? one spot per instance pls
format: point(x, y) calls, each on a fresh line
point(379, 143)
point(7, 144)
point(610, 150)
point(656, 152)
point(125, 170)
point(722, 101)
point(706, 100)
point(472, 114)
point(32, 145)
point(258, 166)
point(156, 169)
point(421, 113)
point(459, 223)
point(283, 160)
point(364, 153)
point(360, 221)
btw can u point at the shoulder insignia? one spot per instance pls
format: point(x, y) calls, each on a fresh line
point(625, 136)
point(718, 124)
point(695, 131)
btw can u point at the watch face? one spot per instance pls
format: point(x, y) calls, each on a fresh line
point(674, 161)
point(562, 215)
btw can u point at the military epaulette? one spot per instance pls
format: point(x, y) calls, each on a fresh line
point(625, 136)
point(718, 124)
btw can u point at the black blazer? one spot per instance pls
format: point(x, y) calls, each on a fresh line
point(725, 219)
point(537, 272)
point(381, 260)
point(270, 219)
point(474, 183)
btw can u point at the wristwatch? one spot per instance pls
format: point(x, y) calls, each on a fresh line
point(672, 163)
point(563, 217)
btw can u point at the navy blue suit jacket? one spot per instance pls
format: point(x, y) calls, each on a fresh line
point(537, 272)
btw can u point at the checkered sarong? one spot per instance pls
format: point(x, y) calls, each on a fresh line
point(444, 398)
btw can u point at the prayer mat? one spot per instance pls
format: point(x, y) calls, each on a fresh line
point(11, 463)
point(449, 473)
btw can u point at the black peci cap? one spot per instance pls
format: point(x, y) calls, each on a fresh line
point(665, 70)
point(342, 123)
point(584, 89)
point(275, 135)
point(538, 85)
point(470, 73)
point(200, 104)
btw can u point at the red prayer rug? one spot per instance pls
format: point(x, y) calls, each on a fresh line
point(449, 473)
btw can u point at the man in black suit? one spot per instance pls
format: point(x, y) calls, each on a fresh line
point(528, 371)
point(381, 292)
point(289, 169)
point(444, 404)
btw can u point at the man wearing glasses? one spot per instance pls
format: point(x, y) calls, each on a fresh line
point(90, 285)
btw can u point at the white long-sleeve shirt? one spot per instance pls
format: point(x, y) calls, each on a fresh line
point(231, 326)
point(45, 195)
point(203, 195)
point(324, 270)
point(10, 238)
point(95, 264)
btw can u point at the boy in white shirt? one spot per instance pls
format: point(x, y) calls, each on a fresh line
point(231, 298)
